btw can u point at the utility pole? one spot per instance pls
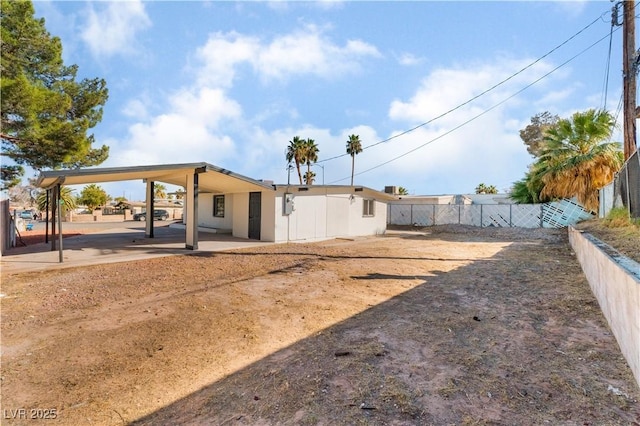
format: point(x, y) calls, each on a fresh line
point(629, 77)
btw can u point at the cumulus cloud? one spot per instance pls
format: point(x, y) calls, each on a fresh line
point(112, 29)
point(203, 123)
point(445, 89)
point(306, 51)
point(188, 132)
point(221, 54)
point(477, 142)
point(136, 108)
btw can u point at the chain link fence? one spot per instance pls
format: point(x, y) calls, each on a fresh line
point(624, 191)
point(557, 214)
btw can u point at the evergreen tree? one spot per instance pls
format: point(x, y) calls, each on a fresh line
point(45, 112)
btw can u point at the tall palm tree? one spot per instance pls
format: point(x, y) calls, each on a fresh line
point(576, 160)
point(309, 177)
point(296, 153)
point(354, 147)
point(310, 155)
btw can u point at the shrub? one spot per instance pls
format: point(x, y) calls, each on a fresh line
point(619, 217)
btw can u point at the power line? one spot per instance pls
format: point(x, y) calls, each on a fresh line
point(478, 115)
point(477, 96)
point(614, 20)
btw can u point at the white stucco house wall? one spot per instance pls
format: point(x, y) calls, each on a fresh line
point(296, 213)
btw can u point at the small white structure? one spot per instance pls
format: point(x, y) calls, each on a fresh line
point(296, 213)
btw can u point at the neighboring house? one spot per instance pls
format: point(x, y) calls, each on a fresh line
point(296, 213)
point(463, 199)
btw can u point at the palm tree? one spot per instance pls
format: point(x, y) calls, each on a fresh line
point(159, 191)
point(576, 161)
point(310, 156)
point(354, 147)
point(486, 189)
point(66, 196)
point(296, 153)
point(309, 177)
point(180, 194)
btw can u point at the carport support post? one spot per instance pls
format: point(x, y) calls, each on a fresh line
point(46, 218)
point(149, 216)
point(191, 206)
point(59, 205)
point(54, 203)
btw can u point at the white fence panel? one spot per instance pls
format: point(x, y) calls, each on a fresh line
point(526, 215)
point(423, 215)
point(471, 214)
point(400, 214)
point(446, 214)
point(558, 214)
point(496, 215)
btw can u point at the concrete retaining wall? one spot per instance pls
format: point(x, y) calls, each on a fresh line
point(615, 281)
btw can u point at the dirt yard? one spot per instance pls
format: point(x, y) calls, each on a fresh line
point(447, 326)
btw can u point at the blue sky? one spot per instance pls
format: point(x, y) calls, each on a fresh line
point(231, 83)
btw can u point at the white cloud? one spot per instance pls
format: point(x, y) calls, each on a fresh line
point(187, 132)
point(221, 54)
point(408, 59)
point(112, 29)
point(554, 97)
point(303, 52)
point(448, 88)
point(306, 51)
point(136, 108)
point(458, 150)
point(207, 107)
point(198, 120)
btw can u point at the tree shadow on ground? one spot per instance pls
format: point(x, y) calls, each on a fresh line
point(514, 339)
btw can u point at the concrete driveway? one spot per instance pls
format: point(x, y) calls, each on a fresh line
point(115, 242)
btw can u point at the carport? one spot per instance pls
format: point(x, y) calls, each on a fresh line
point(194, 177)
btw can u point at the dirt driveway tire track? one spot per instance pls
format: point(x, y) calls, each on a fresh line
point(448, 326)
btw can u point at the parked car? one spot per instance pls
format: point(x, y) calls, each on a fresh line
point(26, 214)
point(157, 215)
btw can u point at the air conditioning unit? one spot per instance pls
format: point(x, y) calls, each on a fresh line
point(391, 190)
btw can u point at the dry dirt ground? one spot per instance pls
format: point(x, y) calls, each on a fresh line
point(444, 326)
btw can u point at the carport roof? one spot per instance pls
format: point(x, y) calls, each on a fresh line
point(210, 178)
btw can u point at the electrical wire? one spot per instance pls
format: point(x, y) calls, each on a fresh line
point(607, 67)
point(475, 97)
point(478, 115)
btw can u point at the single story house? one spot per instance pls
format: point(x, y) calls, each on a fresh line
point(296, 212)
point(219, 200)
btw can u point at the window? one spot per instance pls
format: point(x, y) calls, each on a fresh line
point(218, 205)
point(367, 207)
